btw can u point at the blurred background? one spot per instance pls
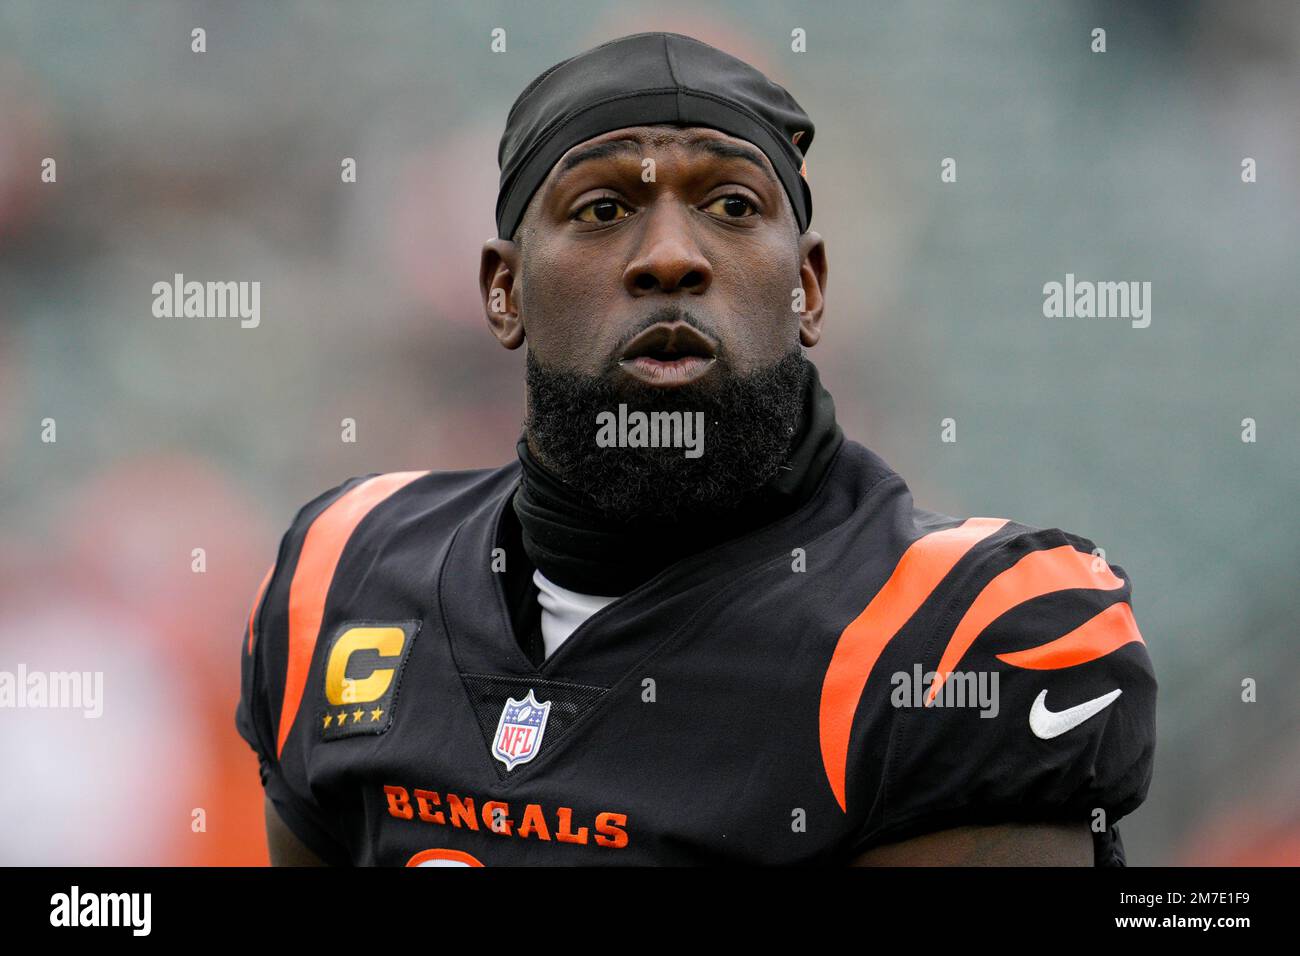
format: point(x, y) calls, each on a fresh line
point(174, 434)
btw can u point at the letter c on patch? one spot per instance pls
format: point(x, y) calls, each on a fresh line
point(388, 641)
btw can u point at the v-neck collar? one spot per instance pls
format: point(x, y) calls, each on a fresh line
point(480, 628)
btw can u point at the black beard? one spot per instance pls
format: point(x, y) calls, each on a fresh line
point(749, 423)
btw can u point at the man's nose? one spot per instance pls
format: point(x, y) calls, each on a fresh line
point(668, 257)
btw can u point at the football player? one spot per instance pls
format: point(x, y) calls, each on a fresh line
point(691, 621)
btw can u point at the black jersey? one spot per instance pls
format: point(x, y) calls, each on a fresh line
point(855, 673)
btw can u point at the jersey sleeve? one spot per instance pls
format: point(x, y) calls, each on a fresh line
point(1038, 701)
point(264, 651)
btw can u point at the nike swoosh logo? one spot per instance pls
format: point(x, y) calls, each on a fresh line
point(1047, 724)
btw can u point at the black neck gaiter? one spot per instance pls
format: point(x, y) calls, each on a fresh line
point(578, 548)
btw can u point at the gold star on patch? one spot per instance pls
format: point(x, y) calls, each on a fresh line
point(356, 714)
point(343, 718)
point(374, 714)
point(328, 718)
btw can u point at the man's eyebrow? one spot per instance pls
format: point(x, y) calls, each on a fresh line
point(727, 150)
point(605, 150)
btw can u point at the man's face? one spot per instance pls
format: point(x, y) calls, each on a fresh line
point(663, 267)
point(712, 238)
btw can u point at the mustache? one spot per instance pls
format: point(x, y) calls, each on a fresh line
point(672, 312)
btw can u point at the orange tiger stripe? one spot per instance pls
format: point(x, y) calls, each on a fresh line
point(924, 564)
point(1094, 638)
point(257, 602)
point(1036, 574)
point(321, 549)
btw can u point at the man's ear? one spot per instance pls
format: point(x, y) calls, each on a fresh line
point(812, 277)
point(497, 278)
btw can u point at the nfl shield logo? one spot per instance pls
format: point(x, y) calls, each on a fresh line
point(519, 732)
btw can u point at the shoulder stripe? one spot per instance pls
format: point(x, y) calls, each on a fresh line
point(1036, 574)
point(924, 564)
point(321, 549)
point(257, 603)
point(1094, 638)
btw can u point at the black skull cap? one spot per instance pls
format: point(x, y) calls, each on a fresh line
point(639, 80)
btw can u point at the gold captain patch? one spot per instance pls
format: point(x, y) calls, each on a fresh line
point(363, 672)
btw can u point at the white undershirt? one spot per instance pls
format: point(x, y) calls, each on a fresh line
point(563, 610)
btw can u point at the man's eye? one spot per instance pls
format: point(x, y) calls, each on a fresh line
point(733, 207)
point(602, 210)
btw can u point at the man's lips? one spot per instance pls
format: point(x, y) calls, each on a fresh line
point(667, 374)
point(669, 354)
